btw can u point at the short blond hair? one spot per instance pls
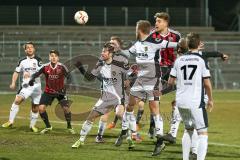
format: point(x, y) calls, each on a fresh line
point(162, 15)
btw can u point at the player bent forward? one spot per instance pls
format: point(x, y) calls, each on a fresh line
point(111, 72)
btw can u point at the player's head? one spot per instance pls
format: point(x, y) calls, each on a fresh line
point(107, 51)
point(193, 41)
point(54, 56)
point(143, 27)
point(183, 46)
point(117, 42)
point(161, 21)
point(29, 48)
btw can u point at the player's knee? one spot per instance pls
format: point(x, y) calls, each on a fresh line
point(141, 105)
point(129, 108)
point(42, 108)
point(173, 104)
point(64, 103)
point(104, 118)
point(93, 115)
point(35, 109)
point(66, 109)
point(18, 100)
point(120, 110)
point(203, 131)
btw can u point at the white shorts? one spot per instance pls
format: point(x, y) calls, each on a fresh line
point(103, 106)
point(34, 92)
point(144, 87)
point(194, 117)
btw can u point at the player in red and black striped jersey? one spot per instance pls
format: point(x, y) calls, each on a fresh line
point(55, 74)
point(162, 31)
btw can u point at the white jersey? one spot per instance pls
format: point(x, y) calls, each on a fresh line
point(113, 76)
point(147, 57)
point(190, 70)
point(28, 66)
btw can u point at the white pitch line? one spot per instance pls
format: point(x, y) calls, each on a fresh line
point(96, 126)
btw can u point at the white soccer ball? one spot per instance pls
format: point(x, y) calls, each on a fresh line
point(81, 17)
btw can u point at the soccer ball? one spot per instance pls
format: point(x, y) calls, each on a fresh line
point(81, 17)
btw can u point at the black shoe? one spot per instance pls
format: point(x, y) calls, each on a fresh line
point(151, 132)
point(193, 156)
point(169, 138)
point(99, 139)
point(159, 147)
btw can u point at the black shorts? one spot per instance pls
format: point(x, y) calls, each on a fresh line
point(165, 72)
point(47, 99)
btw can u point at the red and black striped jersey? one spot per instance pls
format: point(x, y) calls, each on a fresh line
point(167, 55)
point(54, 77)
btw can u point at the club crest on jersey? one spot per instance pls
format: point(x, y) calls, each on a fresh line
point(145, 48)
point(34, 65)
point(58, 71)
point(113, 73)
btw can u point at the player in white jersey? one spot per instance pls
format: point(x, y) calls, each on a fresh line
point(111, 70)
point(118, 56)
point(193, 79)
point(26, 66)
point(148, 81)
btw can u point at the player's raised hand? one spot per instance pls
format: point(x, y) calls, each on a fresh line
point(12, 86)
point(31, 82)
point(225, 57)
point(201, 46)
point(210, 105)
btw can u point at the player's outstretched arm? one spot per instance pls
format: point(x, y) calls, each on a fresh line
point(35, 75)
point(90, 75)
point(215, 54)
point(14, 79)
point(167, 44)
point(208, 89)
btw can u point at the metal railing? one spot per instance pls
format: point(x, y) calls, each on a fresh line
point(225, 75)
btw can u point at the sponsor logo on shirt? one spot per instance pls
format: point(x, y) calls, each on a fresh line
point(53, 76)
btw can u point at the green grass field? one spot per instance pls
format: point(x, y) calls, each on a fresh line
point(19, 143)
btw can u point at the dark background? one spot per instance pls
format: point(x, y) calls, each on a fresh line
point(223, 12)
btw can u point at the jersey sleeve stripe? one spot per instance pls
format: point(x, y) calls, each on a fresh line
point(173, 76)
point(207, 77)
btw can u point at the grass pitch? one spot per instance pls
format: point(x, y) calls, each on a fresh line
point(19, 143)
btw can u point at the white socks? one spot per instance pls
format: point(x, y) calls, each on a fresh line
point(87, 125)
point(13, 112)
point(176, 120)
point(194, 141)
point(202, 147)
point(101, 127)
point(132, 121)
point(33, 118)
point(158, 124)
point(186, 144)
point(129, 121)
